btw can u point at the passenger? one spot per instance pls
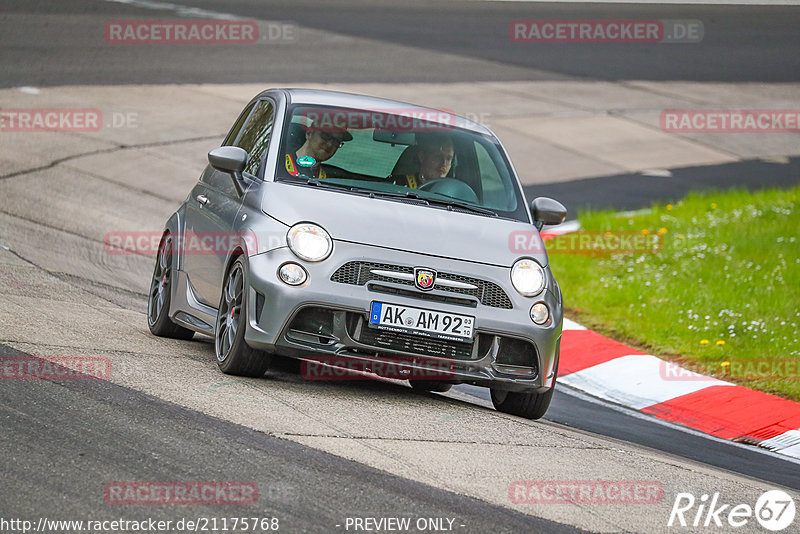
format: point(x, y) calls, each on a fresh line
point(319, 146)
point(434, 154)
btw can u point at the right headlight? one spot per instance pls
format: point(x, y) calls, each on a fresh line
point(309, 242)
point(527, 276)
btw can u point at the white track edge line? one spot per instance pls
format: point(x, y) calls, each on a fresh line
point(646, 417)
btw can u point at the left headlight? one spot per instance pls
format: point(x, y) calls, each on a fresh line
point(527, 277)
point(309, 242)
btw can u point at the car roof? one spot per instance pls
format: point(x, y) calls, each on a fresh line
point(354, 101)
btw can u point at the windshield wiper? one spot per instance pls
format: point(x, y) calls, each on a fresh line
point(320, 183)
point(450, 204)
point(428, 200)
point(323, 183)
point(392, 194)
point(360, 190)
point(371, 192)
point(463, 205)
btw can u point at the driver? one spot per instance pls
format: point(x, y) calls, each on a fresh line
point(435, 154)
point(320, 145)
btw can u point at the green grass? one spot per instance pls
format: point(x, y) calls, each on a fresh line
point(721, 296)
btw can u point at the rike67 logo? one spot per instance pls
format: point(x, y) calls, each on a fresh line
point(774, 511)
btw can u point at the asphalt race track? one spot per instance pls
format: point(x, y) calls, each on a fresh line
point(323, 452)
point(741, 43)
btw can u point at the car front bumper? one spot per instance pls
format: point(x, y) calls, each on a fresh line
point(273, 307)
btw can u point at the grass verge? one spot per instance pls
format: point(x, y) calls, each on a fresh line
point(714, 283)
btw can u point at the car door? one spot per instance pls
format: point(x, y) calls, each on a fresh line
point(215, 202)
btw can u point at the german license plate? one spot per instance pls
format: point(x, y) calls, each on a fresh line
point(433, 324)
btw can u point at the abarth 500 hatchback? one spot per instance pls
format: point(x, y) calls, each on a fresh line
point(367, 234)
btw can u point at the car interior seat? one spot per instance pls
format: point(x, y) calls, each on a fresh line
point(408, 163)
point(295, 138)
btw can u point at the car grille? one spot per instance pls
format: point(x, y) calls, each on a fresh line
point(415, 344)
point(360, 272)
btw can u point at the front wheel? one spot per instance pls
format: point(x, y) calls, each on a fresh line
point(529, 405)
point(234, 355)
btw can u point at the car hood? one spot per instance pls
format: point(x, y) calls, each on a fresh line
point(403, 226)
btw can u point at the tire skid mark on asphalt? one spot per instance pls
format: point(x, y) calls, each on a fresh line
point(112, 149)
point(419, 440)
point(68, 278)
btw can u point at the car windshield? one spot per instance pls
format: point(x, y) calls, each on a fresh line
point(400, 154)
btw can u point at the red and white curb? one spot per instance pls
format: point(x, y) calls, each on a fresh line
point(614, 372)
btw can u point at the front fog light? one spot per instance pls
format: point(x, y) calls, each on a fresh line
point(539, 313)
point(292, 274)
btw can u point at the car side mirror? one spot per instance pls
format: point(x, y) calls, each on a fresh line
point(230, 159)
point(547, 211)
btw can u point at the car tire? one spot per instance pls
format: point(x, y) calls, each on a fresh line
point(234, 355)
point(524, 404)
point(158, 300)
point(430, 385)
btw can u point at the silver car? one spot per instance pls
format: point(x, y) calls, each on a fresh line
point(369, 235)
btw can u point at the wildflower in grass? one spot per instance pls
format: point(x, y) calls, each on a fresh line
point(764, 262)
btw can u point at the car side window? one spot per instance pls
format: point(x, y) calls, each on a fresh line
point(256, 134)
point(237, 126)
point(497, 190)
